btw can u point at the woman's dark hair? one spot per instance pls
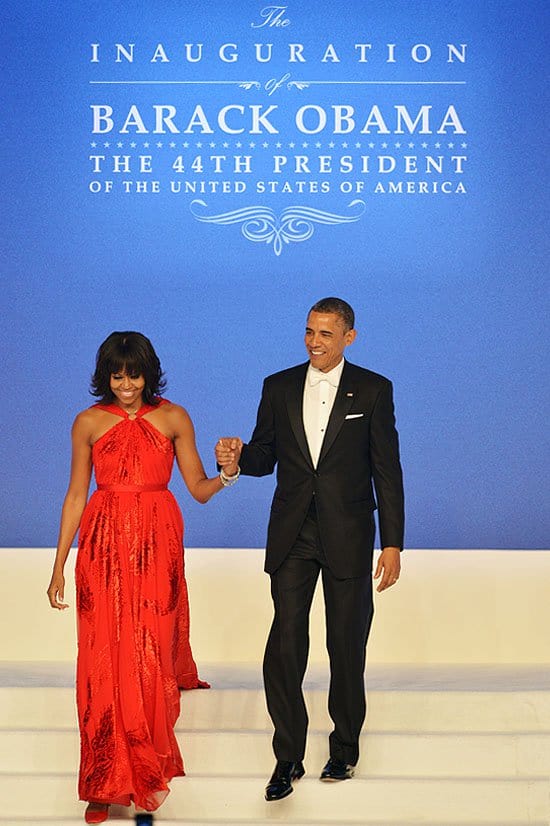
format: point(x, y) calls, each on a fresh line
point(134, 354)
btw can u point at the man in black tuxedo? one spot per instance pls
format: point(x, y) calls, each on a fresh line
point(329, 427)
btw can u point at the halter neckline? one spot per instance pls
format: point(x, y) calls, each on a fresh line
point(119, 411)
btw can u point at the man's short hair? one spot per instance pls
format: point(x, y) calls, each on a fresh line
point(337, 306)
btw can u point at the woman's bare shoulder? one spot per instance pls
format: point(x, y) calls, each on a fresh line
point(176, 417)
point(89, 420)
point(172, 409)
point(89, 416)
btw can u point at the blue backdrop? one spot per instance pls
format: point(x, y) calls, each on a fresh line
point(403, 166)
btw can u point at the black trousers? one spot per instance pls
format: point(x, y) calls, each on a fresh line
point(348, 614)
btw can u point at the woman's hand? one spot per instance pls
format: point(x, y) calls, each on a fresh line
point(56, 591)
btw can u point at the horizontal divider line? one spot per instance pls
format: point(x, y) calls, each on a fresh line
point(304, 82)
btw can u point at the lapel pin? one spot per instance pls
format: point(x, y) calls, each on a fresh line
point(349, 394)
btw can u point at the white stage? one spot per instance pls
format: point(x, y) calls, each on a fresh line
point(458, 729)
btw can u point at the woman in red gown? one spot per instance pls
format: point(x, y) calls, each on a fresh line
point(133, 617)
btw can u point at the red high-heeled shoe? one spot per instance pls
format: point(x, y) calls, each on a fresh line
point(96, 815)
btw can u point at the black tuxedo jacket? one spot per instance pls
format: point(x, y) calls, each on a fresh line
point(360, 450)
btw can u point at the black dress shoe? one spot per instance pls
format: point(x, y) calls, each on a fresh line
point(337, 770)
point(144, 819)
point(280, 784)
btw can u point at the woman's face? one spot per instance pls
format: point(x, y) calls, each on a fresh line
point(127, 390)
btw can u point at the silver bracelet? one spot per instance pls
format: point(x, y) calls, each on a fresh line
point(227, 481)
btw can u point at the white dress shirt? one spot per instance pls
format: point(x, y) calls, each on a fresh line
point(319, 394)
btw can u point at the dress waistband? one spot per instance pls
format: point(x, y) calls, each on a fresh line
point(132, 488)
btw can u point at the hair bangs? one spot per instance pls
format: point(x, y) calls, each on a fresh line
point(132, 353)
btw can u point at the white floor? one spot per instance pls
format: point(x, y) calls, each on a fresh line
point(446, 744)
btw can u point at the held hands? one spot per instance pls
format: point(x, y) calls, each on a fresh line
point(56, 591)
point(389, 567)
point(228, 452)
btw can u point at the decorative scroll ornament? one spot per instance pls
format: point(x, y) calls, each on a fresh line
point(260, 223)
point(249, 84)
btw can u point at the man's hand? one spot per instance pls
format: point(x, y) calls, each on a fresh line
point(228, 452)
point(389, 567)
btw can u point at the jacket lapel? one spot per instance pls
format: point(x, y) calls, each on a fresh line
point(295, 400)
point(340, 408)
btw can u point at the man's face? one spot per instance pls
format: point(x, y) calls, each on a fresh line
point(326, 339)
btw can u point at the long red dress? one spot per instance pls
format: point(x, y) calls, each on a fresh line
point(133, 619)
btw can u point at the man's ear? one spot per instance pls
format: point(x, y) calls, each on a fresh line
point(351, 335)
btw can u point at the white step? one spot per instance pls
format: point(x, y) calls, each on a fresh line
point(124, 818)
point(382, 755)
point(196, 799)
point(442, 747)
point(238, 708)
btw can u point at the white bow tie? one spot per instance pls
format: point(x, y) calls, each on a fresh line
point(317, 377)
